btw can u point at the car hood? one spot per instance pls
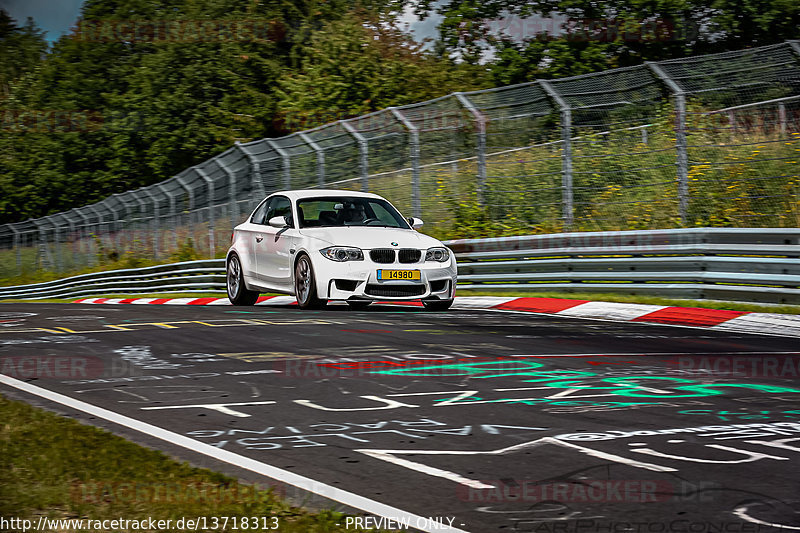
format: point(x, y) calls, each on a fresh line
point(368, 238)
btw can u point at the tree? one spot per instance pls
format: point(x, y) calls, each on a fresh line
point(606, 33)
point(364, 63)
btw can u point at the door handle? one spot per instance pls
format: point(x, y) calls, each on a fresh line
point(259, 239)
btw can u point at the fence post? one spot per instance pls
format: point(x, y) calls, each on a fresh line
point(363, 150)
point(234, 209)
point(480, 121)
point(155, 226)
point(255, 172)
point(413, 134)
point(98, 227)
point(210, 183)
point(17, 246)
point(190, 194)
point(142, 208)
point(566, 154)
point(681, 146)
point(795, 46)
point(173, 210)
point(86, 231)
point(320, 157)
point(286, 162)
point(782, 118)
point(118, 227)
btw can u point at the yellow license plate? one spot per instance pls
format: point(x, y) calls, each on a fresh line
point(398, 274)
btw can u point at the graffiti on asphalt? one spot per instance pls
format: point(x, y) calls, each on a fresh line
point(297, 436)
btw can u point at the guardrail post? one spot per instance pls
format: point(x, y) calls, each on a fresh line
point(681, 145)
point(566, 154)
point(286, 163)
point(413, 134)
point(480, 122)
point(210, 183)
point(320, 157)
point(363, 151)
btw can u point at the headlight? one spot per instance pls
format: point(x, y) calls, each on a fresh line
point(437, 254)
point(342, 253)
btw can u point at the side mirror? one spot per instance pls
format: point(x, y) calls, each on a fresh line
point(278, 222)
point(415, 222)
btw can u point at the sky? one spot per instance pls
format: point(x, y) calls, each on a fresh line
point(56, 17)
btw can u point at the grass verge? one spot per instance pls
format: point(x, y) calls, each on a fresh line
point(59, 468)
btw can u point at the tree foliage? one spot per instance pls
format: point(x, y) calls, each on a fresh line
point(601, 34)
point(136, 109)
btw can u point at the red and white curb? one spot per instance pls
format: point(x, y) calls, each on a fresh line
point(713, 319)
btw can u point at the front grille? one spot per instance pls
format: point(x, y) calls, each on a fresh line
point(394, 291)
point(382, 255)
point(409, 255)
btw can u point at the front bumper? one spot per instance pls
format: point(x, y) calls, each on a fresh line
point(358, 280)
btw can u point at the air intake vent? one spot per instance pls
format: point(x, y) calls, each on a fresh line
point(395, 291)
point(382, 255)
point(409, 255)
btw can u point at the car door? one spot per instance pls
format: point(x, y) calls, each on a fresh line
point(275, 248)
point(251, 231)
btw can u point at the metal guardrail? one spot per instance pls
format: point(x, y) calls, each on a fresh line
point(760, 265)
point(188, 276)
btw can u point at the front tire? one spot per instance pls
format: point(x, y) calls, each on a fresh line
point(305, 285)
point(238, 294)
point(437, 305)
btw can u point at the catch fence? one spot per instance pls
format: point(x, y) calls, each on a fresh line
point(704, 141)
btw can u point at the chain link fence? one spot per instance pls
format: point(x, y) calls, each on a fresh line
point(704, 141)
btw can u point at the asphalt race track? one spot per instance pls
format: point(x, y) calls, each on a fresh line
point(484, 420)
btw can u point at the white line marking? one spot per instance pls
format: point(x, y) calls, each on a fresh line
point(348, 498)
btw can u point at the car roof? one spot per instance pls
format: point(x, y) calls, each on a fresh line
point(316, 193)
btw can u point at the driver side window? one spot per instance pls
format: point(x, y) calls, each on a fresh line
point(279, 206)
point(258, 214)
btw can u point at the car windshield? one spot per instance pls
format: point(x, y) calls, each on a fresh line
point(348, 211)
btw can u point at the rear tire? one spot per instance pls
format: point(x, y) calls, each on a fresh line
point(305, 285)
point(437, 305)
point(238, 294)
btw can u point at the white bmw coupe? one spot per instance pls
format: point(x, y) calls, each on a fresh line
point(322, 245)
